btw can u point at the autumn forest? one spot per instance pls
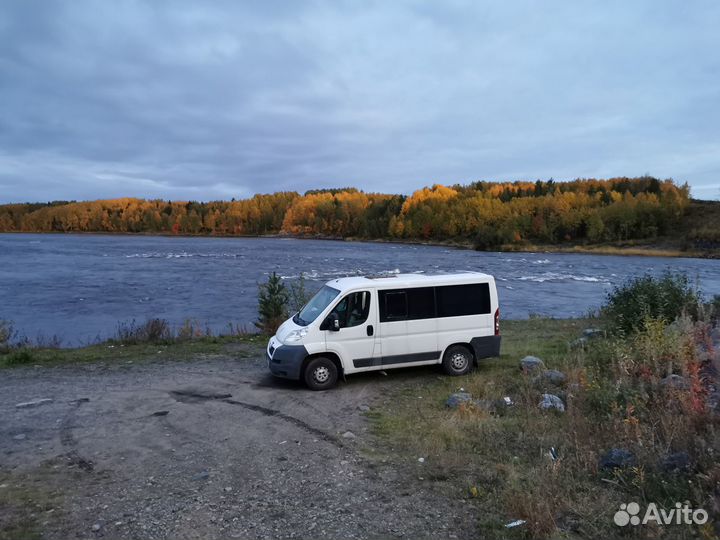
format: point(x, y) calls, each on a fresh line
point(487, 214)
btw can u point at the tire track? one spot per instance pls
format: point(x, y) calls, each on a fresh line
point(191, 396)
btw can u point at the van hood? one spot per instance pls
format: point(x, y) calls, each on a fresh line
point(285, 328)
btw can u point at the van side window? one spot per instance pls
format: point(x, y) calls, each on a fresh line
point(407, 304)
point(421, 303)
point(393, 306)
point(416, 303)
point(458, 300)
point(353, 310)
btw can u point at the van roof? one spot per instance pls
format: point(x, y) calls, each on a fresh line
point(408, 280)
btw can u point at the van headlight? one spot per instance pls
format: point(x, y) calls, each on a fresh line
point(296, 335)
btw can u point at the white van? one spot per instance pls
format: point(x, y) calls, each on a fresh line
point(361, 324)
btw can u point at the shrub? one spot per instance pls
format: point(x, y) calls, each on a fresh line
point(7, 333)
point(192, 329)
point(237, 330)
point(665, 298)
point(714, 307)
point(272, 304)
point(153, 330)
point(19, 357)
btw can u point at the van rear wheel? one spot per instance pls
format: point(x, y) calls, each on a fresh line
point(457, 360)
point(321, 374)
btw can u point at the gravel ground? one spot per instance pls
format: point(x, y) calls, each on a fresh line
point(212, 448)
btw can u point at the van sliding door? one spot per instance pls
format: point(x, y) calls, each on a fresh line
point(408, 329)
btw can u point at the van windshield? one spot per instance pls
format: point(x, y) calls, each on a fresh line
point(316, 306)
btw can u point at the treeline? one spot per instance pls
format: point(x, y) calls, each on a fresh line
point(487, 213)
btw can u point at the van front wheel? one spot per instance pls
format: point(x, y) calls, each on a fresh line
point(321, 374)
point(457, 360)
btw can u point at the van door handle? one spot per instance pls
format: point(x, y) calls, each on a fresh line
point(370, 330)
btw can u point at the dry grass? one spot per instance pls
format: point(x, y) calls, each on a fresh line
point(614, 399)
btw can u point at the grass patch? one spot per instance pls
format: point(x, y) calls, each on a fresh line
point(114, 352)
point(21, 510)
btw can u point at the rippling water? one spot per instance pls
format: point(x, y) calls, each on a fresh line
point(79, 286)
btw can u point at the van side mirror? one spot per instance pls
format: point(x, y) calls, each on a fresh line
point(331, 322)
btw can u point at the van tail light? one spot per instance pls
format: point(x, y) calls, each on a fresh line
point(497, 322)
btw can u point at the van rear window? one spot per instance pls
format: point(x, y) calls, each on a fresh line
point(458, 300)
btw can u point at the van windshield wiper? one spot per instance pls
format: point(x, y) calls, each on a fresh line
point(298, 320)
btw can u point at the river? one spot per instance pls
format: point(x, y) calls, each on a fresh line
point(78, 287)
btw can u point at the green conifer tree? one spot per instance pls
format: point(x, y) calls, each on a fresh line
point(272, 304)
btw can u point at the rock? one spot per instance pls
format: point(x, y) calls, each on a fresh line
point(349, 435)
point(203, 475)
point(617, 458)
point(363, 408)
point(530, 364)
point(552, 376)
point(96, 527)
point(592, 333)
point(487, 405)
point(458, 398)
point(713, 400)
point(675, 382)
point(579, 343)
point(20, 437)
point(551, 402)
point(715, 336)
point(677, 462)
point(33, 403)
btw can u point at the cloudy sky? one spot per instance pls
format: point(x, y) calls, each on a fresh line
point(213, 100)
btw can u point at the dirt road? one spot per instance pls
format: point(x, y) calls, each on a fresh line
point(209, 448)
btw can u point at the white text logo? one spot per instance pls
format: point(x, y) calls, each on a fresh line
point(682, 514)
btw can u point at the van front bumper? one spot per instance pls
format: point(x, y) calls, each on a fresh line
point(285, 360)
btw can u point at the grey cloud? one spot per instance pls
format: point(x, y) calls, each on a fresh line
point(186, 100)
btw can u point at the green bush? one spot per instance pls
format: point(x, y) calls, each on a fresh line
point(665, 298)
point(19, 357)
point(272, 304)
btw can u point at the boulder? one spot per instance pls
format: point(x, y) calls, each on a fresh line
point(551, 376)
point(592, 333)
point(531, 364)
point(551, 402)
point(579, 343)
point(675, 382)
point(458, 398)
point(677, 462)
point(617, 458)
